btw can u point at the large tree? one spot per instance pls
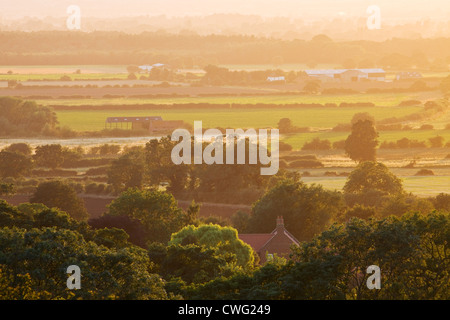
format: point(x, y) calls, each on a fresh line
point(307, 210)
point(362, 142)
point(160, 167)
point(14, 164)
point(60, 195)
point(49, 156)
point(157, 210)
point(127, 171)
point(222, 239)
point(21, 147)
point(44, 254)
point(370, 175)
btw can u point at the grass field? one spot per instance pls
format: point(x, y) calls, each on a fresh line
point(80, 120)
point(298, 140)
point(381, 99)
point(62, 69)
point(420, 186)
point(57, 76)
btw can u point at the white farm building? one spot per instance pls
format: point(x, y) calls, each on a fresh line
point(348, 74)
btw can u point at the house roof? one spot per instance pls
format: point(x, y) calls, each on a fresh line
point(259, 241)
point(256, 240)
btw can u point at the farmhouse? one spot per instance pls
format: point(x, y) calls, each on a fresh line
point(278, 242)
point(348, 75)
point(153, 124)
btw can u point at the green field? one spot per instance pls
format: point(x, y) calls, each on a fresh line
point(57, 76)
point(380, 99)
point(242, 118)
point(420, 186)
point(298, 140)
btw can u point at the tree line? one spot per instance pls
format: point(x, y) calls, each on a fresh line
point(181, 257)
point(59, 47)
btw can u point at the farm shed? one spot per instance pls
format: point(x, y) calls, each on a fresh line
point(150, 123)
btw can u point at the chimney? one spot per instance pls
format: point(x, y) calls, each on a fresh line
point(280, 222)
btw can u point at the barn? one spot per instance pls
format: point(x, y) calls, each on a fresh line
point(152, 124)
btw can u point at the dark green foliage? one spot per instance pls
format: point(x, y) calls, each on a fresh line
point(362, 142)
point(25, 118)
point(156, 210)
point(411, 252)
point(60, 195)
point(307, 210)
point(49, 156)
point(13, 164)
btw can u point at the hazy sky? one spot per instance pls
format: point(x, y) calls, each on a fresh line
point(308, 9)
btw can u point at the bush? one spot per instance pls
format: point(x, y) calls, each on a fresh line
point(426, 127)
point(361, 212)
point(342, 127)
point(306, 164)
point(91, 188)
point(442, 202)
point(436, 142)
point(339, 144)
point(408, 103)
point(23, 148)
point(424, 172)
point(284, 146)
point(317, 144)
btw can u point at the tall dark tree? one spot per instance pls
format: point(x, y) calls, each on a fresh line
point(60, 195)
point(362, 142)
point(49, 156)
point(21, 147)
point(160, 167)
point(127, 171)
point(307, 210)
point(14, 164)
point(371, 175)
point(157, 210)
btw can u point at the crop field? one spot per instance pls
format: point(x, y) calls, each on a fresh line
point(63, 69)
point(298, 140)
point(89, 120)
point(57, 76)
point(381, 99)
point(420, 185)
